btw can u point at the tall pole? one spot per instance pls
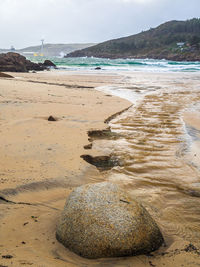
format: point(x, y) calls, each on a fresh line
point(42, 47)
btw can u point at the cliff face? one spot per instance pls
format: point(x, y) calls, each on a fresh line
point(173, 40)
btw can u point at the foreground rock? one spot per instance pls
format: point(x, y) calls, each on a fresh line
point(14, 62)
point(101, 220)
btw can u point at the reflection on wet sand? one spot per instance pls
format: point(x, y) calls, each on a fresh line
point(155, 150)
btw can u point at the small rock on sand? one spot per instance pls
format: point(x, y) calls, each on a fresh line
point(5, 75)
point(51, 118)
point(101, 220)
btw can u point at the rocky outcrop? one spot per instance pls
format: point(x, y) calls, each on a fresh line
point(49, 63)
point(161, 42)
point(14, 62)
point(51, 118)
point(5, 75)
point(101, 220)
point(102, 163)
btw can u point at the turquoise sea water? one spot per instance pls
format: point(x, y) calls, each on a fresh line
point(149, 65)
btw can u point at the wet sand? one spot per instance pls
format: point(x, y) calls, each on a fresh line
point(40, 161)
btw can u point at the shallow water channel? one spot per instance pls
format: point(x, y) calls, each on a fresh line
point(155, 145)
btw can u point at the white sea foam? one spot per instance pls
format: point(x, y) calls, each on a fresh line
point(134, 65)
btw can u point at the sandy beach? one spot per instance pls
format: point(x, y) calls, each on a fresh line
point(40, 161)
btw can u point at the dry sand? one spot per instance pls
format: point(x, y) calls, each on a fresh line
point(40, 160)
point(40, 164)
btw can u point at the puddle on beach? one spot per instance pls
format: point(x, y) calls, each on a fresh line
point(156, 149)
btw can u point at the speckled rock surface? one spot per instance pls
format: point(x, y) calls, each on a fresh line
point(101, 220)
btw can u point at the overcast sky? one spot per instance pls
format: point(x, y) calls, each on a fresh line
point(25, 22)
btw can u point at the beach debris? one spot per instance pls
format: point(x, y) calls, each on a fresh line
point(102, 134)
point(95, 223)
point(192, 248)
point(51, 118)
point(89, 146)
point(151, 264)
point(7, 256)
point(4, 75)
point(35, 218)
point(102, 162)
point(15, 62)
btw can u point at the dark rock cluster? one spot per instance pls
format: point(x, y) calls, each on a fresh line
point(13, 62)
point(5, 75)
point(51, 118)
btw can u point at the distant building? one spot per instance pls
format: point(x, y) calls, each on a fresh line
point(12, 49)
point(28, 53)
point(181, 44)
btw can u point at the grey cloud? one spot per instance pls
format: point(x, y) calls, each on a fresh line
point(25, 22)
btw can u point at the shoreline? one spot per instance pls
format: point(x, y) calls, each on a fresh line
point(173, 58)
point(30, 219)
point(40, 160)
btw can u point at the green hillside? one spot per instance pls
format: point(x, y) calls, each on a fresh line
point(175, 40)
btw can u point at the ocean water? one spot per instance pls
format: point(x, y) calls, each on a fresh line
point(147, 65)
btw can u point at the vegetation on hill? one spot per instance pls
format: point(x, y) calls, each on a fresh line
point(175, 40)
